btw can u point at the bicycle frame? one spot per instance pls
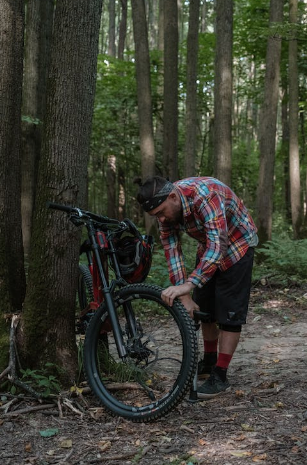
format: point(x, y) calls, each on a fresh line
point(100, 242)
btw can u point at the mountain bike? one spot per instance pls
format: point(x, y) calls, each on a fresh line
point(140, 354)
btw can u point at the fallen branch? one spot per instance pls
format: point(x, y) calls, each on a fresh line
point(10, 370)
point(28, 409)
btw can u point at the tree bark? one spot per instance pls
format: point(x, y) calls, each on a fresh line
point(122, 30)
point(37, 52)
point(223, 91)
point(12, 275)
point(191, 101)
point(294, 160)
point(170, 112)
point(267, 129)
point(48, 318)
point(112, 14)
point(143, 93)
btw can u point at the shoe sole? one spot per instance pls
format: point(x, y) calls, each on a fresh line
point(204, 376)
point(201, 395)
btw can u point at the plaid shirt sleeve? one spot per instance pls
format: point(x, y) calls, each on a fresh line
point(173, 253)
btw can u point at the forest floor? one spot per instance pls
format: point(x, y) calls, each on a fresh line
point(263, 419)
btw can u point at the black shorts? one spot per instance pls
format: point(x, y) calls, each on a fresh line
point(226, 295)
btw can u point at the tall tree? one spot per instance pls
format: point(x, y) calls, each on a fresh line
point(170, 97)
point(122, 29)
point(39, 21)
point(294, 160)
point(112, 22)
point(143, 92)
point(223, 90)
point(191, 101)
point(48, 318)
point(12, 276)
point(267, 128)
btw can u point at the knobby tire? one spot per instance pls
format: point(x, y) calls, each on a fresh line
point(160, 367)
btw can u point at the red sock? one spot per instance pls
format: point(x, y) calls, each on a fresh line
point(210, 346)
point(223, 360)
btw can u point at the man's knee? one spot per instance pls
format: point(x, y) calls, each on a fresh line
point(231, 328)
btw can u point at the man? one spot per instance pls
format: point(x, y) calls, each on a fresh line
point(210, 212)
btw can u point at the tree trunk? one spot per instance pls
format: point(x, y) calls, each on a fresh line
point(122, 30)
point(37, 52)
point(191, 102)
point(48, 318)
point(143, 93)
point(294, 160)
point(112, 13)
point(170, 113)
point(267, 129)
point(12, 275)
point(223, 90)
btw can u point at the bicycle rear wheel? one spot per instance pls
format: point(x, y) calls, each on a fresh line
point(161, 361)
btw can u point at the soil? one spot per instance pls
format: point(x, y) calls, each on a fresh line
point(263, 419)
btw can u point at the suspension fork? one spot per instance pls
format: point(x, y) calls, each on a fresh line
point(108, 296)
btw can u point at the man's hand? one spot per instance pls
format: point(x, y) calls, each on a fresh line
point(189, 304)
point(182, 291)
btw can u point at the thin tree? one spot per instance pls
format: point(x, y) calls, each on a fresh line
point(191, 101)
point(48, 322)
point(12, 276)
point(143, 93)
point(223, 91)
point(267, 128)
point(294, 159)
point(170, 98)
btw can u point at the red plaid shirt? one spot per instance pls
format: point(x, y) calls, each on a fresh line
point(218, 220)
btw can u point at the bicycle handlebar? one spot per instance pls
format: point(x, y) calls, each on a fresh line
point(83, 214)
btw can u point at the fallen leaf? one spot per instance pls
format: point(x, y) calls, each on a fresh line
point(240, 438)
point(304, 428)
point(28, 447)
point(247, 427)
point(104, 445)
point(279, 405)
point(47, 433)
point(240, 393)
point(66, 444)
point(259, 458)
point(76, 389)
point(202, 442)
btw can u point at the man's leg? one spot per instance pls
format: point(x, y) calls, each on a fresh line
point(210, 334)
point(232, 298)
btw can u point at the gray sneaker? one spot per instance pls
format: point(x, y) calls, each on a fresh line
point(214, 386)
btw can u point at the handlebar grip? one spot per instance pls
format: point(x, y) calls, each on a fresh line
point(202, 316)
point(57, 206)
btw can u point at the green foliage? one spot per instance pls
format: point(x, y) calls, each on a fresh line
point(43, 381)
point(282, 260)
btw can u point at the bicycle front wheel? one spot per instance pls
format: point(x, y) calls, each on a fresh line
point(161, 360)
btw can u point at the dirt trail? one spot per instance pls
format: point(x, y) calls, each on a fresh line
point(263, 419)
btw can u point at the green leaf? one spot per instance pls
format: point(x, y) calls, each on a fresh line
point(47, 433)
